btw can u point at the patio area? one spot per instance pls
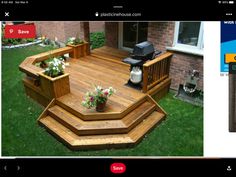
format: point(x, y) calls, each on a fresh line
point(129, 113)
point(169, 138)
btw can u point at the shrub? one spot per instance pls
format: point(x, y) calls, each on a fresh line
point(97, 39)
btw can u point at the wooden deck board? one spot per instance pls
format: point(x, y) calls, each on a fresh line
point(110, 52)
point(89, 71)
point(101, 141)
point(110, 126)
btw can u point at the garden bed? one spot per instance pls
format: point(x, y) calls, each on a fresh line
point(12, 46)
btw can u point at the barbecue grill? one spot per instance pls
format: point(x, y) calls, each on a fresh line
point(142, 52)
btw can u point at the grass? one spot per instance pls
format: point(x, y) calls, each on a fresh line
point(181, 134)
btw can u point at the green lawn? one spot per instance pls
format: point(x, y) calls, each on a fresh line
point(181, 134)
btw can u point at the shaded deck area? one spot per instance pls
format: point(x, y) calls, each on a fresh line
point(129, 113)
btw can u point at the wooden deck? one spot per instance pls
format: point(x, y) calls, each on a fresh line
point(129, 113)
point(90, 71)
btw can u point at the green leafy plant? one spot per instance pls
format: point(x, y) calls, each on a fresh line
point(97, 39)
point(99, 95)
point(74, 41)
point(55, 67)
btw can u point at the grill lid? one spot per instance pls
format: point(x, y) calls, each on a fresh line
point(143, 49)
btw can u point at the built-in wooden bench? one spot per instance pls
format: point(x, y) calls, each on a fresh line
point(28, 67)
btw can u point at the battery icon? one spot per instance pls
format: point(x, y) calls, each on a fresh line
point(231, 2)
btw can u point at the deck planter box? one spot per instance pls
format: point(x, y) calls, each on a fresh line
point(54, 87)
point(79, 50)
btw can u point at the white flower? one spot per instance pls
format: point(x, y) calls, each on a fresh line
point(98, 88)
point(112, 89)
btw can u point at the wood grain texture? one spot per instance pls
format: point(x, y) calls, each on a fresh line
point(28, 67)
point(96, 127)
point(54, 87)
point(80, 50)
point(76, 142)
point(110, 53)
point(158, 59)
point(156, 71)
point(161, 89)
point(52, 53)
point(35, 92)
point(129, 113)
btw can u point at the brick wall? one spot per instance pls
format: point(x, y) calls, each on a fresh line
point(71, 29)
point(51, 29)
point(97, 26)
point(111, 34)
point(161, 34)
point(180, 65)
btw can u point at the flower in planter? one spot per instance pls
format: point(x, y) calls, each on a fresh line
point(74, 41)
point(55, 67)
point(99, 96)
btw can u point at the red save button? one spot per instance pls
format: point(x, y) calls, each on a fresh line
point(20, 31)
point(118, 168)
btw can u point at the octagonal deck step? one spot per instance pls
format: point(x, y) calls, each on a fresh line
point(75, 141)
point(98, 133)
point(81, 127)
point(72, 104)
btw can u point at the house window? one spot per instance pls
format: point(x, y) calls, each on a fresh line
point(188, 37)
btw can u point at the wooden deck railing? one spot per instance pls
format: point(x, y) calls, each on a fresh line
point(155, 71)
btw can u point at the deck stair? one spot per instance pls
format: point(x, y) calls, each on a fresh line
point(102, 130)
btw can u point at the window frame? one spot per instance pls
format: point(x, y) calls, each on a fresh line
point(198, 50)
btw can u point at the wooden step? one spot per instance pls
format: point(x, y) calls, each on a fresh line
point(72, 104)
point(81, 127)
point(75, 141)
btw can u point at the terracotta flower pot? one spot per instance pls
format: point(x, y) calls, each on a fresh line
point(101, 106)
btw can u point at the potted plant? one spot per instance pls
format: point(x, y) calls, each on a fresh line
point(53, 80)
point(55, 67)
point(98, 98)
point(80, 47)
point(74, 41)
